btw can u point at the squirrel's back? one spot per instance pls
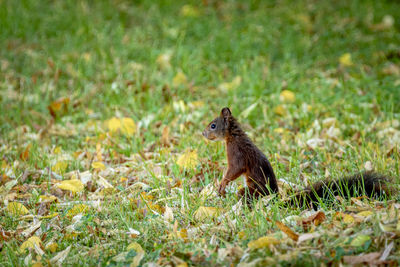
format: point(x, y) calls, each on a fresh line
point(369, 184)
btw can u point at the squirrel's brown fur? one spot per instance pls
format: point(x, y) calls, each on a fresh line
point(245, 158)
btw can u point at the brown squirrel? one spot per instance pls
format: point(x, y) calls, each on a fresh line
point(245, 158)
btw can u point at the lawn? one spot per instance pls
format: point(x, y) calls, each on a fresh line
point(102, 105)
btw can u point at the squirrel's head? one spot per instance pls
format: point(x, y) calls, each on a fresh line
point(218, 128)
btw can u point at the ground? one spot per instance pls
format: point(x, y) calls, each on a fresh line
point(102, 107)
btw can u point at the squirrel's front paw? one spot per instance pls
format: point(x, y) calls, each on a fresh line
point(221, 190)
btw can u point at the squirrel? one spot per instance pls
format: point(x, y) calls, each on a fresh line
point(244, 157)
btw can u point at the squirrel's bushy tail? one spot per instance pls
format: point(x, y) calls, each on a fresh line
point(369, 184)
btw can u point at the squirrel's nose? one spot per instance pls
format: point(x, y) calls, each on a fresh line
point(204, 133)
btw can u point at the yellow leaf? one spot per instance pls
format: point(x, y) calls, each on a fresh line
point(128, 126)
point(163, 60)
point(57, 150)
point(139, 253)
point(241, 235)
point(17, 209)
point(263, 242)
point(78, 208)
point(125, 125)
point(360, 240)
point(60, 167)
point(205, 212)
point(98, 165)
point(30, 243)
point(280, 110)
point(123, 179)
point(189, 11)
point(345, 60)
point(287, 96)
point(4, 165)
point(47, 199)
point(365, 213)
point(98, 152)
point(348, 218)
point(188, 160)
point(279, 130)
point(50, 216)
point(113, 124)
point(228, 86)
point(183, 233)
point(74, 186)
point(52, 246)
point(179, 79)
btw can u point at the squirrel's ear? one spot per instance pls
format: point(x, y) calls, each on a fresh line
point(226, 112)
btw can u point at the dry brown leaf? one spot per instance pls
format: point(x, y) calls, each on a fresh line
point(289, 232)
point(59, 106)
point(25, 154)
point(362, 258)
point(317, 218)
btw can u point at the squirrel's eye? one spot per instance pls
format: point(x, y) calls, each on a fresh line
point(213, 126)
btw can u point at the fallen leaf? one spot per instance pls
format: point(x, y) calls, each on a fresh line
point(345, 60)
point(128, 126)
point(47, 199)
point(76, 209)
point(179, 79)
point(188, 160)
point(163, 60)
point(360, 240)
point(280, 110)
point(308, 236)
point(343, 217)
point(229, 86)
point(52, 247)
point(289, 232)
point(203, 213)
point(17, 209)
point(98, 166)
point(189, 11)
point(241, 235)
point(287, 96)
point(25, 154)
point(125, 125)
point(317, 218)
point(139, 253)
point(113, 124)
point(32, 229)
point(165, 139)
point(60, 257)
point(74, 185)
point(30, 243)
point(263, 242)
point(168, 214)
point(60, 167)
point(362, 258)
point(365, 213)
point(58, 107)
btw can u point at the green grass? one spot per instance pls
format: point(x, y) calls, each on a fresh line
point(105, 57)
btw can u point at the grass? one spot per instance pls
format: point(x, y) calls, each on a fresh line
point(173, 65)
